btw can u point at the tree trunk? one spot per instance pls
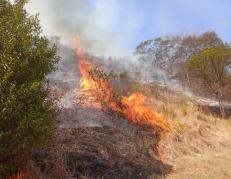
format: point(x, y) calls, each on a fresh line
point(221, 104)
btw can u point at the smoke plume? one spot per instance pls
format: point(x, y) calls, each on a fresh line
point(96, 22)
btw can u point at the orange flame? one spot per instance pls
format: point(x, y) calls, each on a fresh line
point(132, 107)
point(96, 89)
point(21, 175)
point(135, 110)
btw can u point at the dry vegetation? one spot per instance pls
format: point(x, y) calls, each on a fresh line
point(135, 142)
point(100, 152)
point(197, 147)
point(200, 145)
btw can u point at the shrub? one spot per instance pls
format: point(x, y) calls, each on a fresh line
point(27, 112)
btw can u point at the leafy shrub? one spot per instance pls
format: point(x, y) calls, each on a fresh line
point(27, 112)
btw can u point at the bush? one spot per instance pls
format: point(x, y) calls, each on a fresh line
point(27, 112)
point(210, 67)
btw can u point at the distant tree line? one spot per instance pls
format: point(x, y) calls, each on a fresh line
point(165, 52)
point(204, 60)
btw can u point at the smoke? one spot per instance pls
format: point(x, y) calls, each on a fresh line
point(96, 22)
point(108, 28)
point(99, 25)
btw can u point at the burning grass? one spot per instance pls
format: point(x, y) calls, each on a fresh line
point(198, 147)
point(199, 144)
point(96, 87)
point(125, 150)
point(198, 141)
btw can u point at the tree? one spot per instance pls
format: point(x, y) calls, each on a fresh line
point(27, 110)
point(171, 52)
point(160, 50)
point(210, 66)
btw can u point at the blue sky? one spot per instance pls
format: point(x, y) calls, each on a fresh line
point(166, 17)
point(117, 26)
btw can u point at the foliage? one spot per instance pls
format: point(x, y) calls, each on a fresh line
point(100, 74)
point(176, 49)
point(27, 111)
point(211, 66)
point(103, 81)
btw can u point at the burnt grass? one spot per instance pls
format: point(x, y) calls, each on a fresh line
point(101, 152)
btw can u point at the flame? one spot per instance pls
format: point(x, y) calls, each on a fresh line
point(96, 89)
point(135, 110)
point(132, 107)
point(20, 175)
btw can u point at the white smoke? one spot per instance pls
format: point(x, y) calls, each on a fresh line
point(96, 22)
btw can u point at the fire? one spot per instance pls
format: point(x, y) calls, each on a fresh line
point(95, 88)
point(132, 107)
point(21, 175)
point(135, 110)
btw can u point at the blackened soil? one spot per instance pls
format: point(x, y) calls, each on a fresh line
point(101, 152)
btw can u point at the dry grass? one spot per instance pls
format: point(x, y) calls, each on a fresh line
point(102, 152)
point(200, 145)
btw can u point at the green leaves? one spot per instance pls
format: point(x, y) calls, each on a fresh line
point(27, 113)
point(210, 66)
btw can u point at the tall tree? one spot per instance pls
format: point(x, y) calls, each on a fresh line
point(27, 111)
point(172, 51)
point(210, 66)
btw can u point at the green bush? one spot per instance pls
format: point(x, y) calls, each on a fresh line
point(211, 67)
point(27, 111)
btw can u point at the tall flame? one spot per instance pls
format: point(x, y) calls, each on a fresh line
point(132, 107)
point(96, 88)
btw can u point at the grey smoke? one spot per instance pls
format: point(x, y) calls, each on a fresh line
point(96, 26)
point(96, 22)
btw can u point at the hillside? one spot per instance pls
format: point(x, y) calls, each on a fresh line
point(198, 146)
point(115, 89)
point(93, 142)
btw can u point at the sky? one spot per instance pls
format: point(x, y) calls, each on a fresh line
point(116, 27)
